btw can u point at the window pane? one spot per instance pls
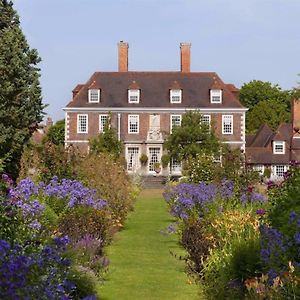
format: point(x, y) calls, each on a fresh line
point(133, 125)
point(102, 122)
point(82, 124)
point(94, 95)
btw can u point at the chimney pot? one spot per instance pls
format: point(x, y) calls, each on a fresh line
point(185, 57)
point(123, 56)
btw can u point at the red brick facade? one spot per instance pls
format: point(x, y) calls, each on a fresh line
point(153, 105)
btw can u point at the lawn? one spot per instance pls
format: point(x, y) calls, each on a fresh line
point(141, 264)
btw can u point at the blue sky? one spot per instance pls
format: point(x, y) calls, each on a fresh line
point(241, 40)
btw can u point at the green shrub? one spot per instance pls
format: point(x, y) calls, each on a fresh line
point(111, 181)
point(165, 160)
point(85, 281)
point(82, 220)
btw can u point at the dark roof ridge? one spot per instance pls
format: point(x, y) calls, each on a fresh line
point(154, 72)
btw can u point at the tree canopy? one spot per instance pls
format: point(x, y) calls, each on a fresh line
point(56, 133)
point(20, 93)
point(191, 138)
point(267, 103)
point(267, 112)
point(107, 142)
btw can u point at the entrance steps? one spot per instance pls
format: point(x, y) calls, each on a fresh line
point(154, 182)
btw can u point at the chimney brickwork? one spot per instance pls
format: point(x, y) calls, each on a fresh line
point(296, 117)
point(123, 56)
point(185, 57)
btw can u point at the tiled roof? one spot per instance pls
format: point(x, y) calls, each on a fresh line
point(262, 137)
point(155, 88)
point(264, 155)
point(259, 149)
point(284, 132)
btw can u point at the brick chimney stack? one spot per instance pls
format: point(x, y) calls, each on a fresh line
point(296, 117)
point(185, 57)
point(123, 56)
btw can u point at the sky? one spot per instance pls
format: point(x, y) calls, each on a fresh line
point(241, 40)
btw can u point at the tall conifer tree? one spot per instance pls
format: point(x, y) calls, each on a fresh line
point(21, 107)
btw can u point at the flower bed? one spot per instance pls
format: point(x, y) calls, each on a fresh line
point(240, 244)
point(51, 239)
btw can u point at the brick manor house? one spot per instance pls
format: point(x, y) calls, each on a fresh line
point(144, 106)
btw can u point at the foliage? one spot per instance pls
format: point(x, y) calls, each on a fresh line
point(56, 133)
point(260, 97)
point(165, 160)
point(107, 142)
point(20, 93)
point(43, 162)
point(219, 227)
point(269, 112)
point(191, 138)
point(202, 168)
point(85, 281)
point(82, 221)
point(143, 159)
point(31, 264)
point(255, 91)
point(101, 173)
point(283, 286)
point(39, 274)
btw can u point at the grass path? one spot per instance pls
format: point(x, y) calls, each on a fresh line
point(142, 267)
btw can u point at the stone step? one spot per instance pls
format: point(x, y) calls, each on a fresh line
point(154, 182)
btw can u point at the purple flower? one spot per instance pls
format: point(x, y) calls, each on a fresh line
point(293, 215)
point(297, 237)
point(260, 211)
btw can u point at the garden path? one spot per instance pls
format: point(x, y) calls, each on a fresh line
point(142, 267)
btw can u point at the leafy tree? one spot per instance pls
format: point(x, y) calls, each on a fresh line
point(191, 138)
point(256, 91)
point(107, 142)
point(267, 112)
point(56, 133)
point(267, 103)
point(20, 93)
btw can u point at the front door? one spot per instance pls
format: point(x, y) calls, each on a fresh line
point(154, 157)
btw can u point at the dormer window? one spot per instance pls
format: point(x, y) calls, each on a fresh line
point(94, 95)
point(215, 96)
point(133, 96)
point(278, 147)
point(175, 96)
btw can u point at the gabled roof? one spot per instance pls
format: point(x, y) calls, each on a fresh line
point(262, 137)
point(259, 148)
point(284, 132)
point(155, 88)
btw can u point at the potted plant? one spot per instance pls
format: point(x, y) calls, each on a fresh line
point(157, 167)
point(143, 159)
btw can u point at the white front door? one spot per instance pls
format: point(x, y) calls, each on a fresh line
point(154, 157)
point(132, 159)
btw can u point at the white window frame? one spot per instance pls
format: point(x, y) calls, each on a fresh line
point(175, 93)
point(207, 122)
point(216, 94)
point(259, 168)
point(102, 125)
point(175, 167)
point(130, 117)
point(135, 164)
point(134, 94)
point(275, 173)
point(225, 119)
point(171, 121)
point(79, 124)
point(92, 93)
point(281, 144)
